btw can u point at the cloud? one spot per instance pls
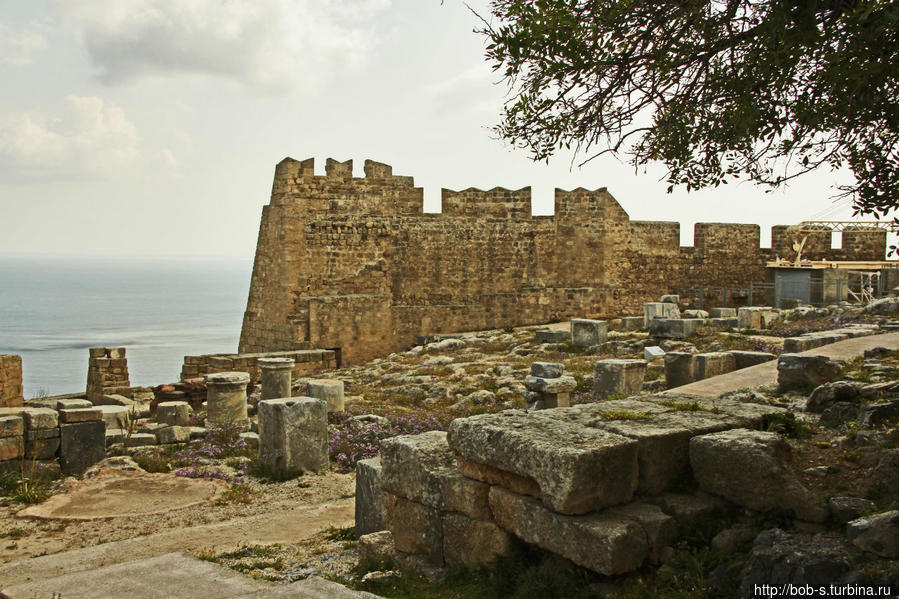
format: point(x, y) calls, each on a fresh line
point(269, 45)
point(85, 136)
point(17, 48)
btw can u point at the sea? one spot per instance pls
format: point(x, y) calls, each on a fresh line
point(53, 309)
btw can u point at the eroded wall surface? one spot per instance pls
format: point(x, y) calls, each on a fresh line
point(354, 263)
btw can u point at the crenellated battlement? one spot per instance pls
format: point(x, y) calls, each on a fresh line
point(353, 263)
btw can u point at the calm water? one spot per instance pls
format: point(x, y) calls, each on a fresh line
point(52, 310)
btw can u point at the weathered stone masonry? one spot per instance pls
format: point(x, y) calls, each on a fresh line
point(353, 264)
point(11, 391)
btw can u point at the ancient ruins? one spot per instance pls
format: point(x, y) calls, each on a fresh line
point(354, 265)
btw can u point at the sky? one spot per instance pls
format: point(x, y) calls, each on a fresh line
point(152, 127)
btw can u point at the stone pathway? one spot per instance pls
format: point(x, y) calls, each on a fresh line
point(764, 374)
point(282, 526)
point(173, 575)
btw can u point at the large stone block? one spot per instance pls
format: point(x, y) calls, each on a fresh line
point(723, 312)
point(167, 435)
point(578, 469)
point(663, 455)
point(370, 507)
point(12, 426)
point(745, 359)
point(757, 317)
point(618, 377)
point(36, 418)
point(586, 332)
point(42, 444)
point(878, 534)
point(654, 310)
point(115, 416)
point(276, 377)
point(470, 543)
point(226, 397)
point(606, 543)
point(678, 369)
point(547, 370)
point(551, 336)
point(11, 448)
point(804, 372)
point(293, 435)
point(173, 413)
point(712, 364)
point(632, 323)
point(82, 445)
point(751, 468)
point(416, 528)
point(671, 328)
point(328, 390)
point(422, 468)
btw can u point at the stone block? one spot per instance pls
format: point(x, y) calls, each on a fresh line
point(756, 317)
point(670, 298)
point(670, 328)
point(723, 324)
point(422, 468)
point(578, 469)
point(562, 384)
point(632, 323)
point(750, 468)
point(803, 372)
point(547, 370)
point(115, 416)
point(11, 448)
point(72, 404)
point(712, 364)
point(521, 485)
point(36, 418)
point(370, 507)
point(115, 399)
point(551, 336)
point(141, 439)
point(586, 332)
point(609, 544)
point(653, 352)
point(618, 377)
point(174, 413)
point(42, 444)
point(663, 451)
point(249, 437)
point(745, 359)
point(471, 543)
point(82, 445)
point(172, 434)
point(416, 528)
point(293, 435)
point(328, 390)
point(11, 426)
point(794, 345)
point(377, 547)
point(723, 312)
point(655, 310)
point(678, 369)
point(113, 436)
point(80, 415)
point(701, 314)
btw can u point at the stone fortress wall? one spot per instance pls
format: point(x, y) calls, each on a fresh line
point(11, 390)
point(354, 265)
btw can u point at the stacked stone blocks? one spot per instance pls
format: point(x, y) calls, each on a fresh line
point(547, 387)
point(107, 373)
point(293, 435)
point(566, 480)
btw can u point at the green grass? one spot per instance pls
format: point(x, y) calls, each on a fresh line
point(686, 406)
point(625, 415)
point(786, 425)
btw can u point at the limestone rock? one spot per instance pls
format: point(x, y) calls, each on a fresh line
point(36, 418)
point(618, 377)
point(801, 371)
point(293, 435)
point(745, 359)
point(82, 444)
point(547, 370)
point(175, 413)
point(468, 542)
point(846, 509)
point(586, 332)
point(750, 468)
point(173, 434)
point(376, 547)
point(606, 543)
point(878, 534)
point(416, 528)
point(370, 508)
point(829, 393)
point(885, 478)
point(578, 469)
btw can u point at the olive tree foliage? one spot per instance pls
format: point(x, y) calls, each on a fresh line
point(715, 90)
